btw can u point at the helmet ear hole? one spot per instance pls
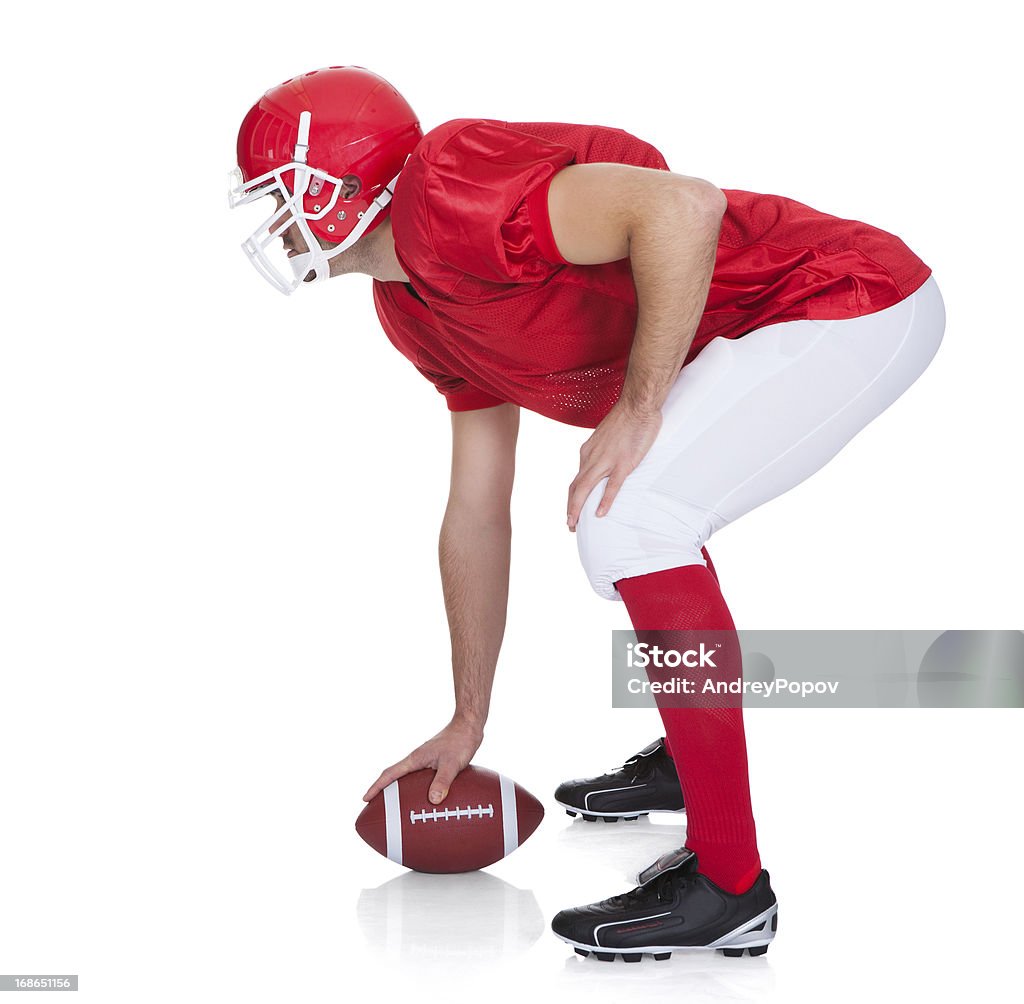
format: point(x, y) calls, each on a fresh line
point(351, 186)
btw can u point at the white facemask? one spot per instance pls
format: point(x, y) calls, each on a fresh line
point(264, 247)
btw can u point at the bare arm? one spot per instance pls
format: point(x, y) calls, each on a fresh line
point(667, 225)
point(474, 552)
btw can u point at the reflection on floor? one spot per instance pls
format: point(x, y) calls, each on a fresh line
point(472, 916)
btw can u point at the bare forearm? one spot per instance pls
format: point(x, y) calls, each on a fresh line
point(672, 256)
point(474, 553)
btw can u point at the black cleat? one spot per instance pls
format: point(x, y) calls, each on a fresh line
point(647, 782)
point(674, 908)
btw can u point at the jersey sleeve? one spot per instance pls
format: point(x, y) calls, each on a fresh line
point(459, 394)
point(484, 193)
point(410, 333)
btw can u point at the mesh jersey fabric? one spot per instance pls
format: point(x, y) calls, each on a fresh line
point(494, 313)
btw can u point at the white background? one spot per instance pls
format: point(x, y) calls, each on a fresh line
point(221, 612)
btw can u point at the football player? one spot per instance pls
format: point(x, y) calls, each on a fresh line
point(721, 346)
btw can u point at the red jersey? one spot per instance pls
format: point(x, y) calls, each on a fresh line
point(493, 313)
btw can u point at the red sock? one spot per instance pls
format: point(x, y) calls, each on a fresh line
point(708, 744)
point(711, 569)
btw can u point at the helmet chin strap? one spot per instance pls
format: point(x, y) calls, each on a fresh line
point(303, 264)
point(319, 262)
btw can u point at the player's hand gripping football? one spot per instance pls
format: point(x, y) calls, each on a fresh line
point(447, 753)
point(613, 451)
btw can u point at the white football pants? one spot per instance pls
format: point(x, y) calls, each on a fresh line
point(748, 419)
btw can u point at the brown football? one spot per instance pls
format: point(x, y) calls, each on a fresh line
point(483, 819)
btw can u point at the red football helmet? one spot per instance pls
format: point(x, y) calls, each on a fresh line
point(331, 143)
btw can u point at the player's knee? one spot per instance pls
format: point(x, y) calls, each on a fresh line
point(641, 533)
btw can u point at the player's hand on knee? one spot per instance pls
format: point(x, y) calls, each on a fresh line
point(614, 451)
point(448, 753)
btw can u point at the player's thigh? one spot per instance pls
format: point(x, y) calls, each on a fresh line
point(767, 410)
point(747, 420)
